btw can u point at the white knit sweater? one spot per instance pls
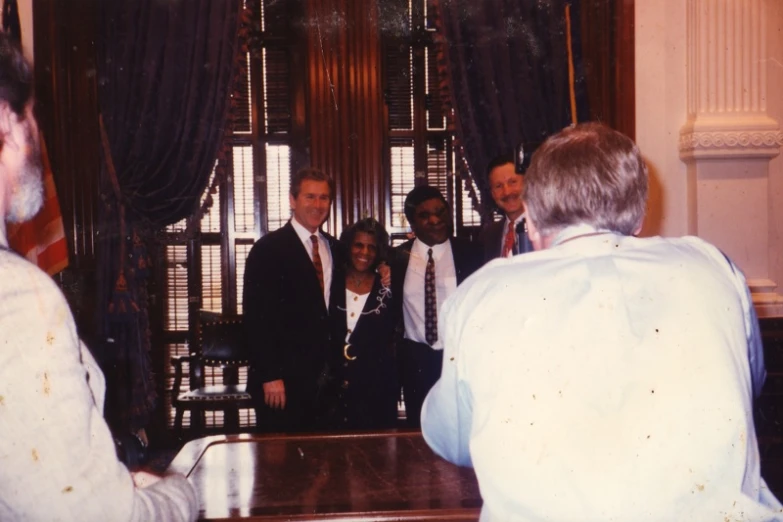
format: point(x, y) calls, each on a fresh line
point(57, 456)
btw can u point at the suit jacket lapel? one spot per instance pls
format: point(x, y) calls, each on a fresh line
point(500, 236)
point(399, 266)
point(523, 242)
point(466, 260)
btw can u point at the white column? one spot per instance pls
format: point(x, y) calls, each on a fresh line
point(729, 139)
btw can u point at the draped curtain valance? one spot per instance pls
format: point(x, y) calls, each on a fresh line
point(166, 71)
point(514, 73)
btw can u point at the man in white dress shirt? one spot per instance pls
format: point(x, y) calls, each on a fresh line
point(57, 457)
point(604, 376)
point(425, 272)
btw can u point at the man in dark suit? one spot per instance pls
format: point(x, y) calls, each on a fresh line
point(286, 294)
point(507, 237)
point(425, 272)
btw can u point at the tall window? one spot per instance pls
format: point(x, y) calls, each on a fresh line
point(421, 146)
point(207, 272)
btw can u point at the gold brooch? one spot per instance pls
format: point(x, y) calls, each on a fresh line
point(345, 352)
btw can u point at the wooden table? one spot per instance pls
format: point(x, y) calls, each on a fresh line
point(376, 477)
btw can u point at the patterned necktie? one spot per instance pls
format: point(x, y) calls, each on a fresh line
point(319, 268)
point(430, 302)
point(508, 243)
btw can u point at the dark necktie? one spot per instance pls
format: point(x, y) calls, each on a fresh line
point(319, 268)
point(430, 302)
point(508, 242)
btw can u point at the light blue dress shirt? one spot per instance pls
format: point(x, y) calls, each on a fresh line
point(606, 378)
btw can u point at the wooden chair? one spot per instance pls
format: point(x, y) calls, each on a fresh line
point(221, 347)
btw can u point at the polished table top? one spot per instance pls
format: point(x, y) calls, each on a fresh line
point(373, 476)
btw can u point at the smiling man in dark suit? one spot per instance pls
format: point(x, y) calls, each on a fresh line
point(425, 272)
point(507, 237)
point(286, 296)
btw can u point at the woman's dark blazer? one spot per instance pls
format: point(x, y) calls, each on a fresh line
point(366, 386)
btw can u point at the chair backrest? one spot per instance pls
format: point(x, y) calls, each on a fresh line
point(222, 341)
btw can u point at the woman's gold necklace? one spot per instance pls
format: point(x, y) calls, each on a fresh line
point(358, 279)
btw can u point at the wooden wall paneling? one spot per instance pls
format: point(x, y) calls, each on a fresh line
point(319, 91)
point(345, 104)
point(624, 63)
point(356, 34)
point(300, 136)
point(597, 47)
point(372, 172)
point(67, 111)
point(607, 28)
point(337, 58)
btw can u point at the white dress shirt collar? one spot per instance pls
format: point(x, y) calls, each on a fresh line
point(303, 233)
point(420, 249)
point(574, 231)
point(517, 221)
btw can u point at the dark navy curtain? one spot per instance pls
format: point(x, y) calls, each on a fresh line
point(507, 65)
point(166, 70)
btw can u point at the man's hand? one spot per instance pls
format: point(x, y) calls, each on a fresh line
point(274, 394)
point(385, 272)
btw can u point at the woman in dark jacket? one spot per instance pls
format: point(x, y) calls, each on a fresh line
point(363, 323)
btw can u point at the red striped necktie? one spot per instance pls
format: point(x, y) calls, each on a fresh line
point(319, 268)
point(511, 236)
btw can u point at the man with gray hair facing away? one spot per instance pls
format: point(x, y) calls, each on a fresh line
point(57, 457)
point(604, 376)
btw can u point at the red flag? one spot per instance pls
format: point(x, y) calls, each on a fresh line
point(42, 239)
